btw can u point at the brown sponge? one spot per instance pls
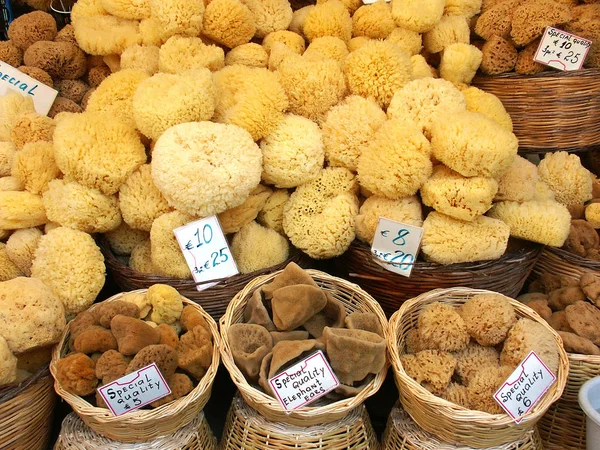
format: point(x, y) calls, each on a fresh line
point(578, 344)
point(292, 274)
point(30, 28)
point(190, 318)
point(294, 305)
point(590, 284)
point(531, 18)
point(332, 315)
point(163, 355)
point(488, 318)
point(168, 335)
point(133, 334)
point(525, 64)
point(77, 374)
point(59, 59)
point(364, 321)
point(180, 385)
point(249, 345)
point(35, 72)
point(563, 297)
point(582, 238)
point(111, 365)
point(81, 322)
point(499, 56)
point(195, 352)
point(105, 312)
point(584, 319)
point(296, 335)
point(95, 339)
point(442, 328)
point(431, 368)
point(287, 353)
point(11, 54)
point(256, 311)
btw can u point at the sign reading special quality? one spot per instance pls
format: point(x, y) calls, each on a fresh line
point(304, 382)
point(396, 245)
point(562, 50)
point(14, 80)
point(135, 390)
point(525, 387)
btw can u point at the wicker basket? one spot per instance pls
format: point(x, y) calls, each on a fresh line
point(561, 262)
point(248, 430)
point(354, 299)
point(446, 420)
point(505, 275)
point(76, 435)
point(26, 411)
point(551, 110)
point(402, 433)
point(563, 426)
point(214, 300)
point(142, 425)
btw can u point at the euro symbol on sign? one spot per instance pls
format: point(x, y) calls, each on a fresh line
point(384, 233)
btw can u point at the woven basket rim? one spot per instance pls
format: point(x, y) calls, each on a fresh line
point(270, 406)
point(84, 409)
point(584, 263)
point(12, 390)
point(582, 73)
point(456, 412)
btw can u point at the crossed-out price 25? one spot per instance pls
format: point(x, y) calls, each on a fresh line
point(216, 258)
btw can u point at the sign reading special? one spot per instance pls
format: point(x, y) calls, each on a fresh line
point(14, 80)
point(396, 245)
point(562, 50)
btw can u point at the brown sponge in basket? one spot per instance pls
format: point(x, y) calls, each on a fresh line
point(499, 56)
point(332, 315)
point(294, 305)
point(256, 311)
point(291, 275)
point(249, 343)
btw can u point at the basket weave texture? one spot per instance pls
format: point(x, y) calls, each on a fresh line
point(402, 433)
point(551, 110)
point(76, 435)
point(248, 430)
point(354, 299)
point(563, 427)
point(450, 422)
point(505, 275)
point(214, 300)
point(26, 411)
point(141, 425)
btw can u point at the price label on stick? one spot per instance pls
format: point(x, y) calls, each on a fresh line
point(525, 387)
point(396, 245)
point(304, 382)
point(12, 79)
point(135, 390)
point(206, 251)
point(562, 50)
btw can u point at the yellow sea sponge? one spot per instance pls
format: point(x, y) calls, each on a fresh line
point(545, 222)
point(35, 167)
point(592, 214)
point(251, 98)
point(467, 8)
point(328, 19)
point(270, 15)
point(165, 251)
point(20, 248)
point(396, 162)
point(279, 52)
point(519, 182)
point(106, 35)
point(72, 205)
point(8, 364)
point(12, 105)
point(166, 303)
point(457, 394)
point(374, 21)
point(417, 15)
point(442, 328)
point(484, 384)
point(229, 22)
point(460, 63)
point(293, 154)
point(87, 8)
point(271, 214)
point(568, 179)
point(496, 20)
point(292, 40)
point(7, 154)
point(152, 33)
point(255, 247)
point(140, 200)
point(31, 127)
point(488, 317)
point(127, 9)
point(8, 269)
point(181, 53)
point(223, 158)
point(72, 265)
point(425, 100)
point(487, 104)
point(234, 219)
point(141, 57)
point(319, 216)
point(456, 196)
point(141, 260)
point(531, 18)
point(420, 68)
point(21, 209)
point(178, 16)
point(473, 145)
point(449, 30)
point(525, 336)
point(408, 40)
point(327, 47)
point(124, 239)
point(498, 55)
point(98, 150)
point(431, 368)
point(449, 241)
point(348, 128)
point(298, 18)
point(543, 192)
point(251, 55)
point(357, 42)
point(405, 210)
point(474, 357)
point(165, 100)
point(377, 69)
point(11, 184)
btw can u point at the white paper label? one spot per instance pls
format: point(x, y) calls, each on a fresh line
point(562, 50)
point(525, 387)
point(12, 79)
point(206, 251)
point(304, 382)
point(135, 390)
point(396, 245)
point(370, 2)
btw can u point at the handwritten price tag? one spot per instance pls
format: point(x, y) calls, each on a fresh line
point(562, 50)
point(135, 390)
point(14, 80)
point(206, 251)
point(396, 245)
point(525, 387)
point(304, 382)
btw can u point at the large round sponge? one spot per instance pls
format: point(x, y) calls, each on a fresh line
point(417, 15)
point(488, 318)
point(328, 19)
point(568, 179)
point(165, 251)
point(182, 53)
point(21, 246)
point(255, 247)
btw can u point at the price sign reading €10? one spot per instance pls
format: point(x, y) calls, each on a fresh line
point(396, 245)
point(562, 50)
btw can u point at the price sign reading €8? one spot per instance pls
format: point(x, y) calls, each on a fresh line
point(206, 251)
point(562, 50)
point(396, 245)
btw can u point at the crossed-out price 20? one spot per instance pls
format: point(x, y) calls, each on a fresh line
point(398, 259)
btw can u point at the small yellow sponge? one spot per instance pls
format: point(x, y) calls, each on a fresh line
point(570, 181)
point(449, 30)
point(417, 15)
point(255, 247)
point(405, 210)
point(460, 63)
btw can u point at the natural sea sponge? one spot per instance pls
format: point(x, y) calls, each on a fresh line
point(270, 15)
point(374, 21)
point(291, 40)
point(442, 328)
point(496, 20)
point(233, 220)
point(7, 154)
point(405, 210)
point(358, 42)
point(408, 40)
point(76, 374)
point(228, 22)
point(348, 128)
point(34, 166)
point(140, 259)
point(31, 127)
point(96, 75)
point(584, 319)
point(484, 384)
point(396, 162)
point(333, 316)
point(141, 57)
point(183, 17)
point(431, 368)
point(286, 353)
point(546, 222)
point(457, 394)
point(165, 100)
point(293, 305)
point(249, 345)
point(525, 63)
point(590, 285)
point(59, 59)
point(449, 30)
point(8, 269)
point(592, 214)
point(111, 364)
point(255, 247)
point(11, 184)
point(290, 276)
point(541, 307)
point(525, 336)
point(488, 318)
point(11, 54)
point(94, 339)
point(12, 105)
point(132, 334)
point(256, 312)
point(79, 324)
point(558, 321)
point(71, 264)
point(168, 336)
point(582, 238)
point(328, 19)
point(456, 196)
point(195, 352)
point(166, 303)
point(417, 15)
point(474, 357)
point(65, 105)
point(20, 248)
point(559, 299)
point(37, 74)
point(578, 344)
point(166, 256)
point(74, 90)
point(105, 312)
point(164, 356)
point(297, 335)
point(250, 54)
point(377, 69)
point(568, 179)
point(327, 47)
point(518, 183)
point(191, 318)
point(21, 209)
point(140, 200)
point(123, 239)
point(531, 18)
point(105, 34)
point(27, 29)
point(127, 9)
point(190, 152)
point(271, 214)
point(98, 150)
point(8, 364)
point(460, 62)
point(449, 241)
point(182, 53)
point(467, 8)
point(363, 321)
point(498, 56)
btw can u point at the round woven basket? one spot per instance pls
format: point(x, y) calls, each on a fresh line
point(246, 429)
point(561, 262)
point(354, 299)
point(402, 433)
point(26, 411)
point(505, 275)
point(552, 110)
point(563, 426)
point(450, 422)
point(76, 435)
point(214, 300)
point(141, 425)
